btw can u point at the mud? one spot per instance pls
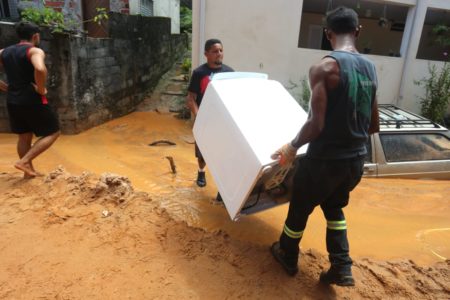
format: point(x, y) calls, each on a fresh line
point(95, 235)
point(56, 243)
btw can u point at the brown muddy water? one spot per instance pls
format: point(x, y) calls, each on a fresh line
point(387, 218)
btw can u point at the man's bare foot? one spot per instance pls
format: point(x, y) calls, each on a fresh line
point(26, 176)
point(26, 168)
point(38, 174)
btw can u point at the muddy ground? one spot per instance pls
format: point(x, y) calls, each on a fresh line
point(81, 233)
point(82, 236)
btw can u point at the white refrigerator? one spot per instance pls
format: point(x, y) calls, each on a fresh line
point(242, 120)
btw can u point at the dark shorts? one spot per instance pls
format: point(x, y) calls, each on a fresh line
point(198, 154)
point(327, 182)
point(39, 119)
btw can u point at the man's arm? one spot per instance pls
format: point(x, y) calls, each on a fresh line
point(323, 77)
point(191, 103)
point(3, 85)
point(37, 58)
point(375, 118)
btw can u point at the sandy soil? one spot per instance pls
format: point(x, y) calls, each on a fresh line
point(97, 236)
point(83, 237)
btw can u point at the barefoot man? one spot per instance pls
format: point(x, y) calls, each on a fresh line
point(28, 109)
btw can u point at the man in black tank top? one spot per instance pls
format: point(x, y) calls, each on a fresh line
point(343, 112)
point(27, 104)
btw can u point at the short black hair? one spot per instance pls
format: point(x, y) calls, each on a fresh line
point(25, 30)
point(342, 20)
point(211, 42)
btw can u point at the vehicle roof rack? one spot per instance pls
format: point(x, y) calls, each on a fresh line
point(392, 116)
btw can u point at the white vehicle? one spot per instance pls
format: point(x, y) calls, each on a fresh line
point(408, 146)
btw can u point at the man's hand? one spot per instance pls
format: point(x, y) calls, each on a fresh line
point(3, 86)
point(40, 91)
point(285, 154)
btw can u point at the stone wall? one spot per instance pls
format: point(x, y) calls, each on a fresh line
point(93, 80)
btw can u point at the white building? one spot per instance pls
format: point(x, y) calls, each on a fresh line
point(158, 8)
point(284, 38)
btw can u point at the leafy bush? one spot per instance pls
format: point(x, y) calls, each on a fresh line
point(437, 93)
point(185, 19)
point(45, 17)
point(186, 65)
point(56, 21)
point(301, 92)
point(442, 35)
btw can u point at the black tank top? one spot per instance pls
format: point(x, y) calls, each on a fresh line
point(349, 109)
point(20, 73)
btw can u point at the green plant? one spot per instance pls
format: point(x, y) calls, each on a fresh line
point(185, 19)
point(437, 92)
point(102, 15)
point(442, 35)
point(56, 21)
point(301, 92)
point(186, 65)
point(45, 17)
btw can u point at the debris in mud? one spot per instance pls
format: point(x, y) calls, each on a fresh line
point(172, 164)
point(113, 188)
point(189, 139)
point(156, 143)
point(106, 213)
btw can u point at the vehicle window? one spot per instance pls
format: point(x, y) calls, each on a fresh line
point(412, 147)
point(368, 158)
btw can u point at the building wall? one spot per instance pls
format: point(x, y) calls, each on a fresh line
point(170, 9)
point(262, 36)
point(162, 8)
point(94, 80)
point(120, 6)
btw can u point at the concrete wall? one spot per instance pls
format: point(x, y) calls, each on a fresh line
point(171, 9)
point(162, 8)
point(262, 36)
point(94, 80)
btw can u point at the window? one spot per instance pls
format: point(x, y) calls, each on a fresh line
point(382, 32)
point(415, 147)
point(4, 9)
point(435, 35)
point(146, 7)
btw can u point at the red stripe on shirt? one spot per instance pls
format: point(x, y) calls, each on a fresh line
point(28, 53)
